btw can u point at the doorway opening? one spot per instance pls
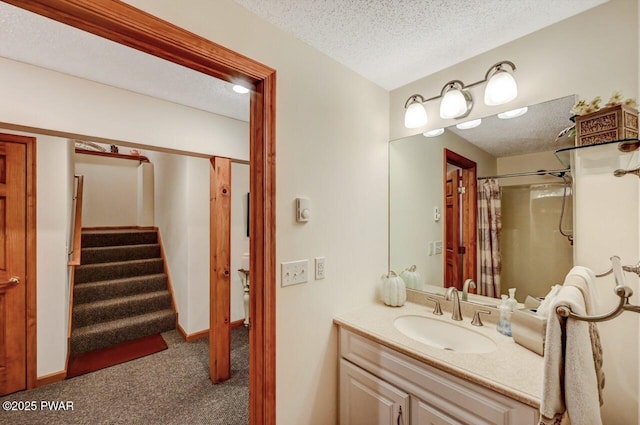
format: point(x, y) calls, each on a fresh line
point(460, 224)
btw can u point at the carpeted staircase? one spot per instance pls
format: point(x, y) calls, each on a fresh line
point(121, 291)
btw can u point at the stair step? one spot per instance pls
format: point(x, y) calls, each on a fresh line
point(107, 289)
point(107, 254)
point(94, 238)
point(118, 270)
point(116, 331)
point(117, 308)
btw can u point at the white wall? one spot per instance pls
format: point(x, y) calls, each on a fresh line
point(97, 112)
point(239, 239)
point(110, 196)
point(415, 188)
point(332, 153)
point(591, 54)
point(563, 59)
point(145, 194)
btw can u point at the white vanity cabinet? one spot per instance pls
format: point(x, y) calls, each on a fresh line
point(379, 385)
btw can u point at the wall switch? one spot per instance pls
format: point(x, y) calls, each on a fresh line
point(430, 248)
point(320, 270)
point(438, 247)
point(294, 272)
point(303, 210)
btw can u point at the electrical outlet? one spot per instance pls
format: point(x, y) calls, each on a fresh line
point(320, 269)
point(294, 272)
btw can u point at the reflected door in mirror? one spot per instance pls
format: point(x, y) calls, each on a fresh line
point(452, 229)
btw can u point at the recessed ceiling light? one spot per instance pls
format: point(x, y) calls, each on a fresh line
point(469, 124)
point(433, 133)
point(513, 113)
point(240, 89)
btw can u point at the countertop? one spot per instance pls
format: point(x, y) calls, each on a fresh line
point(511, 370)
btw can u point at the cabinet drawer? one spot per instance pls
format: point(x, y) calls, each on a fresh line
point(467, 402)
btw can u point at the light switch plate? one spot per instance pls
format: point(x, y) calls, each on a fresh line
point(294, 272)
point(320, 268)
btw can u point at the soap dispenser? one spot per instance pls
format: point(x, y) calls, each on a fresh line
point(512, 302)
point(504, 322)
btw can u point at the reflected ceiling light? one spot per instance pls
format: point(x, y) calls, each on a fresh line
point(513, 113)
point(469, 124)
point(456, 99)
point(240, 89)
point(415, 115)
point(433, 133)
point(457, 102)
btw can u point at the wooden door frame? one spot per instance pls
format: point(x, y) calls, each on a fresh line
point(469, 211)
point(31, 270)
point(132, 27)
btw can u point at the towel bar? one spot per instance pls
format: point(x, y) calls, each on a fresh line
point(622, 291)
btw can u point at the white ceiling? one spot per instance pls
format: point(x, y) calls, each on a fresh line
point(390, 42)
point(395, 42)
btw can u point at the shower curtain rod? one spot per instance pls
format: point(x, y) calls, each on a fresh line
point(530, 173)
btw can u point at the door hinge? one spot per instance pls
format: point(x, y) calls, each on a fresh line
point(462, 190)
point(462, 250)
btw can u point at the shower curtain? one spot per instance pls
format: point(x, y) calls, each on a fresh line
point(490, 225)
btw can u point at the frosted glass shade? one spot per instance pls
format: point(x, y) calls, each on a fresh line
point(415, 116)
point(453, 104)
point(469, 124)
point(433, 133)
point(501, 88)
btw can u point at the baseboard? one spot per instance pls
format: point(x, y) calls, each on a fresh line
point(52, 378)
point(204, 333)
point(194, 336)
point(119, 228)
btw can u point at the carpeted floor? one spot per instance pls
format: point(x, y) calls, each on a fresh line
point(170, 387)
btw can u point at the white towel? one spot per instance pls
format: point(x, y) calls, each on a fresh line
point(589, 278)
point(571, 382)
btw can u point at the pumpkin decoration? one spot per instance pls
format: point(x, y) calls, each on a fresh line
point(394, 291)
point(411, 277)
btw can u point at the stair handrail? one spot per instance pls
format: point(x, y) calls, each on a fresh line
point(76, 228)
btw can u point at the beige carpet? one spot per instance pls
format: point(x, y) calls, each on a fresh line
point(170, 387)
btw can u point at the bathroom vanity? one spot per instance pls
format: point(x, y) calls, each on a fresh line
point(388, 377)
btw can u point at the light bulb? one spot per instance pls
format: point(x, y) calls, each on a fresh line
point(501, 88)
point(453, 105)
point(433, 133)
point(415, 116)
point(240, 89)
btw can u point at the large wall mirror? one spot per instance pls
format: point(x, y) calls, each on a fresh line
point(447, 192)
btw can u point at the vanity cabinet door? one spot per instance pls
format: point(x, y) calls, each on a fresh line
point(424, 414)
point(368, 400)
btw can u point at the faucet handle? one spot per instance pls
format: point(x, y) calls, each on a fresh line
point(437, 310)
point(476, 317)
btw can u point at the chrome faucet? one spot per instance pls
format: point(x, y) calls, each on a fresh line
point(465, 288)
point(456, 314)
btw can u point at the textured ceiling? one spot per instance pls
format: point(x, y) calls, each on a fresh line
point(395, 42)
point(390, 42)
point(535, 131)
point(30, 38)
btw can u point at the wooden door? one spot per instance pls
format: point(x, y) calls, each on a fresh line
point(13, 237)
point(452, 229)
point(220, 271)
point(367, 400)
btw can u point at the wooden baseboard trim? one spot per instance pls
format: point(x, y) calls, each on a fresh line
point(194, 336)
point(52, 378)
point(237, 323)
point(119, 228)
point(204, 333)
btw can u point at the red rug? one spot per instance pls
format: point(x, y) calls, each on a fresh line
point(111, 356)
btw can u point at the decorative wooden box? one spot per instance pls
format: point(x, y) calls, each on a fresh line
point(606, 125)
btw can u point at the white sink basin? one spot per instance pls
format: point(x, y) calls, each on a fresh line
point(444, 335)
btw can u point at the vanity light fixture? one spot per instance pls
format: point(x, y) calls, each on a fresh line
point(469, 124)
point(513, 113)
point(456, 99)
point(434, 133)
point(240, 89)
